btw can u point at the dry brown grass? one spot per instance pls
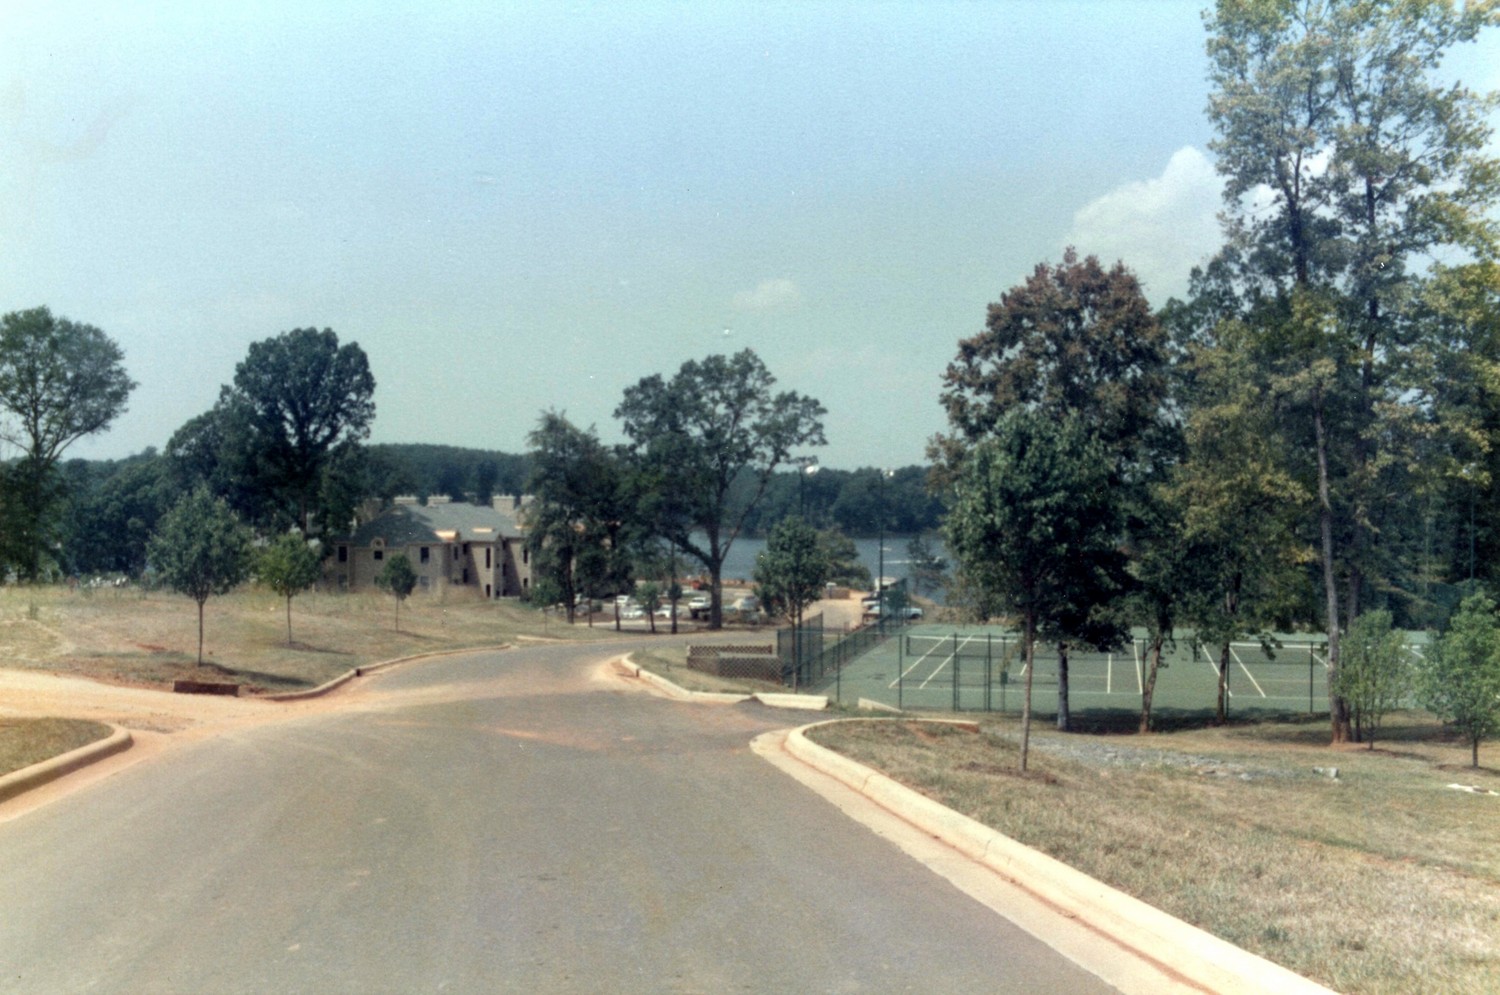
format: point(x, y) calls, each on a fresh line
point(24, 742)
point(1383, 880)
point(151, 638)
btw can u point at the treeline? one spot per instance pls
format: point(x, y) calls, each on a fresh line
point(1309, 438)
point(111, 507)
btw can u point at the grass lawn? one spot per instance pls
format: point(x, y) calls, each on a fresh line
point(151, 638)
point(1383, 879)
point(24, 742)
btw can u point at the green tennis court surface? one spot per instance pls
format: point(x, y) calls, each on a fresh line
point(982, 669)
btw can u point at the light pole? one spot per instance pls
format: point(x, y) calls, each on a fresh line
point(807, 466)
point(880, 580)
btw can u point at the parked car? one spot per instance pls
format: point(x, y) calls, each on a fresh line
point(872, 610)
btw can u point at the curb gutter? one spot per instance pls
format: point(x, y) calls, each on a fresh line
point(808, 702)
point(1199, 957)
point(36, 775)
point(370, 668)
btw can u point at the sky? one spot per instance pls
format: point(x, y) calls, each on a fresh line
point(523, 207)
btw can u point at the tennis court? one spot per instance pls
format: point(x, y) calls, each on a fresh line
point(983, 669)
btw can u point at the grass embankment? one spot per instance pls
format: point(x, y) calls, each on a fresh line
point(1383, 880)
point(670, 661)
point(24, 742)
point(131, 636)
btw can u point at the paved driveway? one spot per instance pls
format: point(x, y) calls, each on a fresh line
point(506, 822)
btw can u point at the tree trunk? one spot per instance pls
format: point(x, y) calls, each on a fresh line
point(200, 633)
point(1148, 686)
point(1338, 709)
point(1221, 713)
point(289, 620)
point(1030, 672)
point(1063, 719)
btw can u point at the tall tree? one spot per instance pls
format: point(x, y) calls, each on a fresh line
point(60, 380)
point(1238, 504)
point(791, 570)
point(1074, 340)
point(1348, 163)
point(581, 522)
point(714, 424)
point(200, 549)
point(1033, 526)
point(304, 400)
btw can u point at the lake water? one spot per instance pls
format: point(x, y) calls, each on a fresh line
point(741, 560)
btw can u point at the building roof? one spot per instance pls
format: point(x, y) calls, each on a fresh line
point(409, 524)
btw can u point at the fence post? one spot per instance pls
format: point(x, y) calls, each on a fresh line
point(900, 672)
point(989, 670)
point(1310, 661)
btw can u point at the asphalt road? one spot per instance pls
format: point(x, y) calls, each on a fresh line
point(506, 822)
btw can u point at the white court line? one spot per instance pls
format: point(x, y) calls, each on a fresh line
point(915, 664)
point(1246, 669)
point(921, 659)
point(1215, 668)
point(1140, 676)
point(940, 666)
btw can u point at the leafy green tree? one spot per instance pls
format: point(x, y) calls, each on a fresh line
point(791, 571)
point(1349, 163)
point(648, 596)
point(398, 577)
point(1033, 526)
point(486, 474)
point(299, 401)
point(1073, 340)
point(200, 549)
point(1460, 680)
point(929, 571)
point(714, 424)
point(582, 522)
point(1375, 677)
point(60, 380)
point(112, 509)
point(288, 566)
point(1235, 502)
point(842, 557)
point(1166, 573)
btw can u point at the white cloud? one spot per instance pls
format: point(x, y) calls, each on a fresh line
point(1160, 228)
point(769, 295)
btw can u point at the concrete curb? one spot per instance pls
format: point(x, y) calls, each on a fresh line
point(671, 690)
point(23, 780)
point(810, 702)
point(1199, 957)
point(370, 668)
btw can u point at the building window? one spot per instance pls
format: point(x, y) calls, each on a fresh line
point(343, 554)
point(486, 557)
point(525, 554)
point(379, 555)
point(424, 554)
